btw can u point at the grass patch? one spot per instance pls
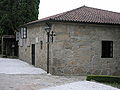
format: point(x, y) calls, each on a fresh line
point(113, 84)
point(109, 80)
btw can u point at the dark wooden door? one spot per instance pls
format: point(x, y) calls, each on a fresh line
point(33, 54)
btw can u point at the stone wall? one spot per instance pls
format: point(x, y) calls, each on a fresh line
point(77, 49)
point(35, 34)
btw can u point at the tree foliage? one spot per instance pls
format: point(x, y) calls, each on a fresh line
point(17, 12)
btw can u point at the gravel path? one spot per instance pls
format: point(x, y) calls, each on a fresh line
point(34, 82)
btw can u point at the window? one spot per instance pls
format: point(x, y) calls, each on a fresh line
point(24, 33)
point(107, 49)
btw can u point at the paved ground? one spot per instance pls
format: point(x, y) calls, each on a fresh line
point(19, 75)
point(34, 82)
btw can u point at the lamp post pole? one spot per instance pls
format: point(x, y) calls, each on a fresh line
point(47, 29)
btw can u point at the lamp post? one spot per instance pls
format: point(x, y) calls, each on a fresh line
point(47, 29)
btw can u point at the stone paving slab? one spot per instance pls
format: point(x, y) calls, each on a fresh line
point(34, 82)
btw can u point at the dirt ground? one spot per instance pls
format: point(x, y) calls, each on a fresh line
point(34, 82)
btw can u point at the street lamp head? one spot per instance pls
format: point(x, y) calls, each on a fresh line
point(47, 29)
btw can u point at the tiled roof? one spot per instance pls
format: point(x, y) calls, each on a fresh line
point(85, 14)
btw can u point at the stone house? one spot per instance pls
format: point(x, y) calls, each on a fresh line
point(86, 42)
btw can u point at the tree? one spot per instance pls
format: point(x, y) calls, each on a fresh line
point(17, 12)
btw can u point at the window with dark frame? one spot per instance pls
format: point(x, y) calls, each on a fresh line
point(24, 33)
point(107, 49)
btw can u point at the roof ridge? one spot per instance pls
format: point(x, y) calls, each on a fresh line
point(63, 13)
point(69, 11)
point(102, 9)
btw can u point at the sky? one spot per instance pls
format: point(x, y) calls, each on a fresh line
point(52, 7)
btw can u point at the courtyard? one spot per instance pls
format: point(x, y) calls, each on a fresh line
point(18, 75)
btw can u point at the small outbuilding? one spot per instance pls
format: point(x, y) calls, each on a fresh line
point(82, 41)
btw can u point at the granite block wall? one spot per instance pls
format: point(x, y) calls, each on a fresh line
point(76, 49)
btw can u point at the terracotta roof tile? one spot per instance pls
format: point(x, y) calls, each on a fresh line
point(85, 14)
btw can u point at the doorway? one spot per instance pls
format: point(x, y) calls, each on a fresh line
point(33, 54)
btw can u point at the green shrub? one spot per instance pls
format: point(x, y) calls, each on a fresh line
point(104, 79)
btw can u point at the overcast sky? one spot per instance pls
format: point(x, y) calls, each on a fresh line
point(52, 7)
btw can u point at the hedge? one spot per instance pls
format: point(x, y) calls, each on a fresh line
point(104, 79)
